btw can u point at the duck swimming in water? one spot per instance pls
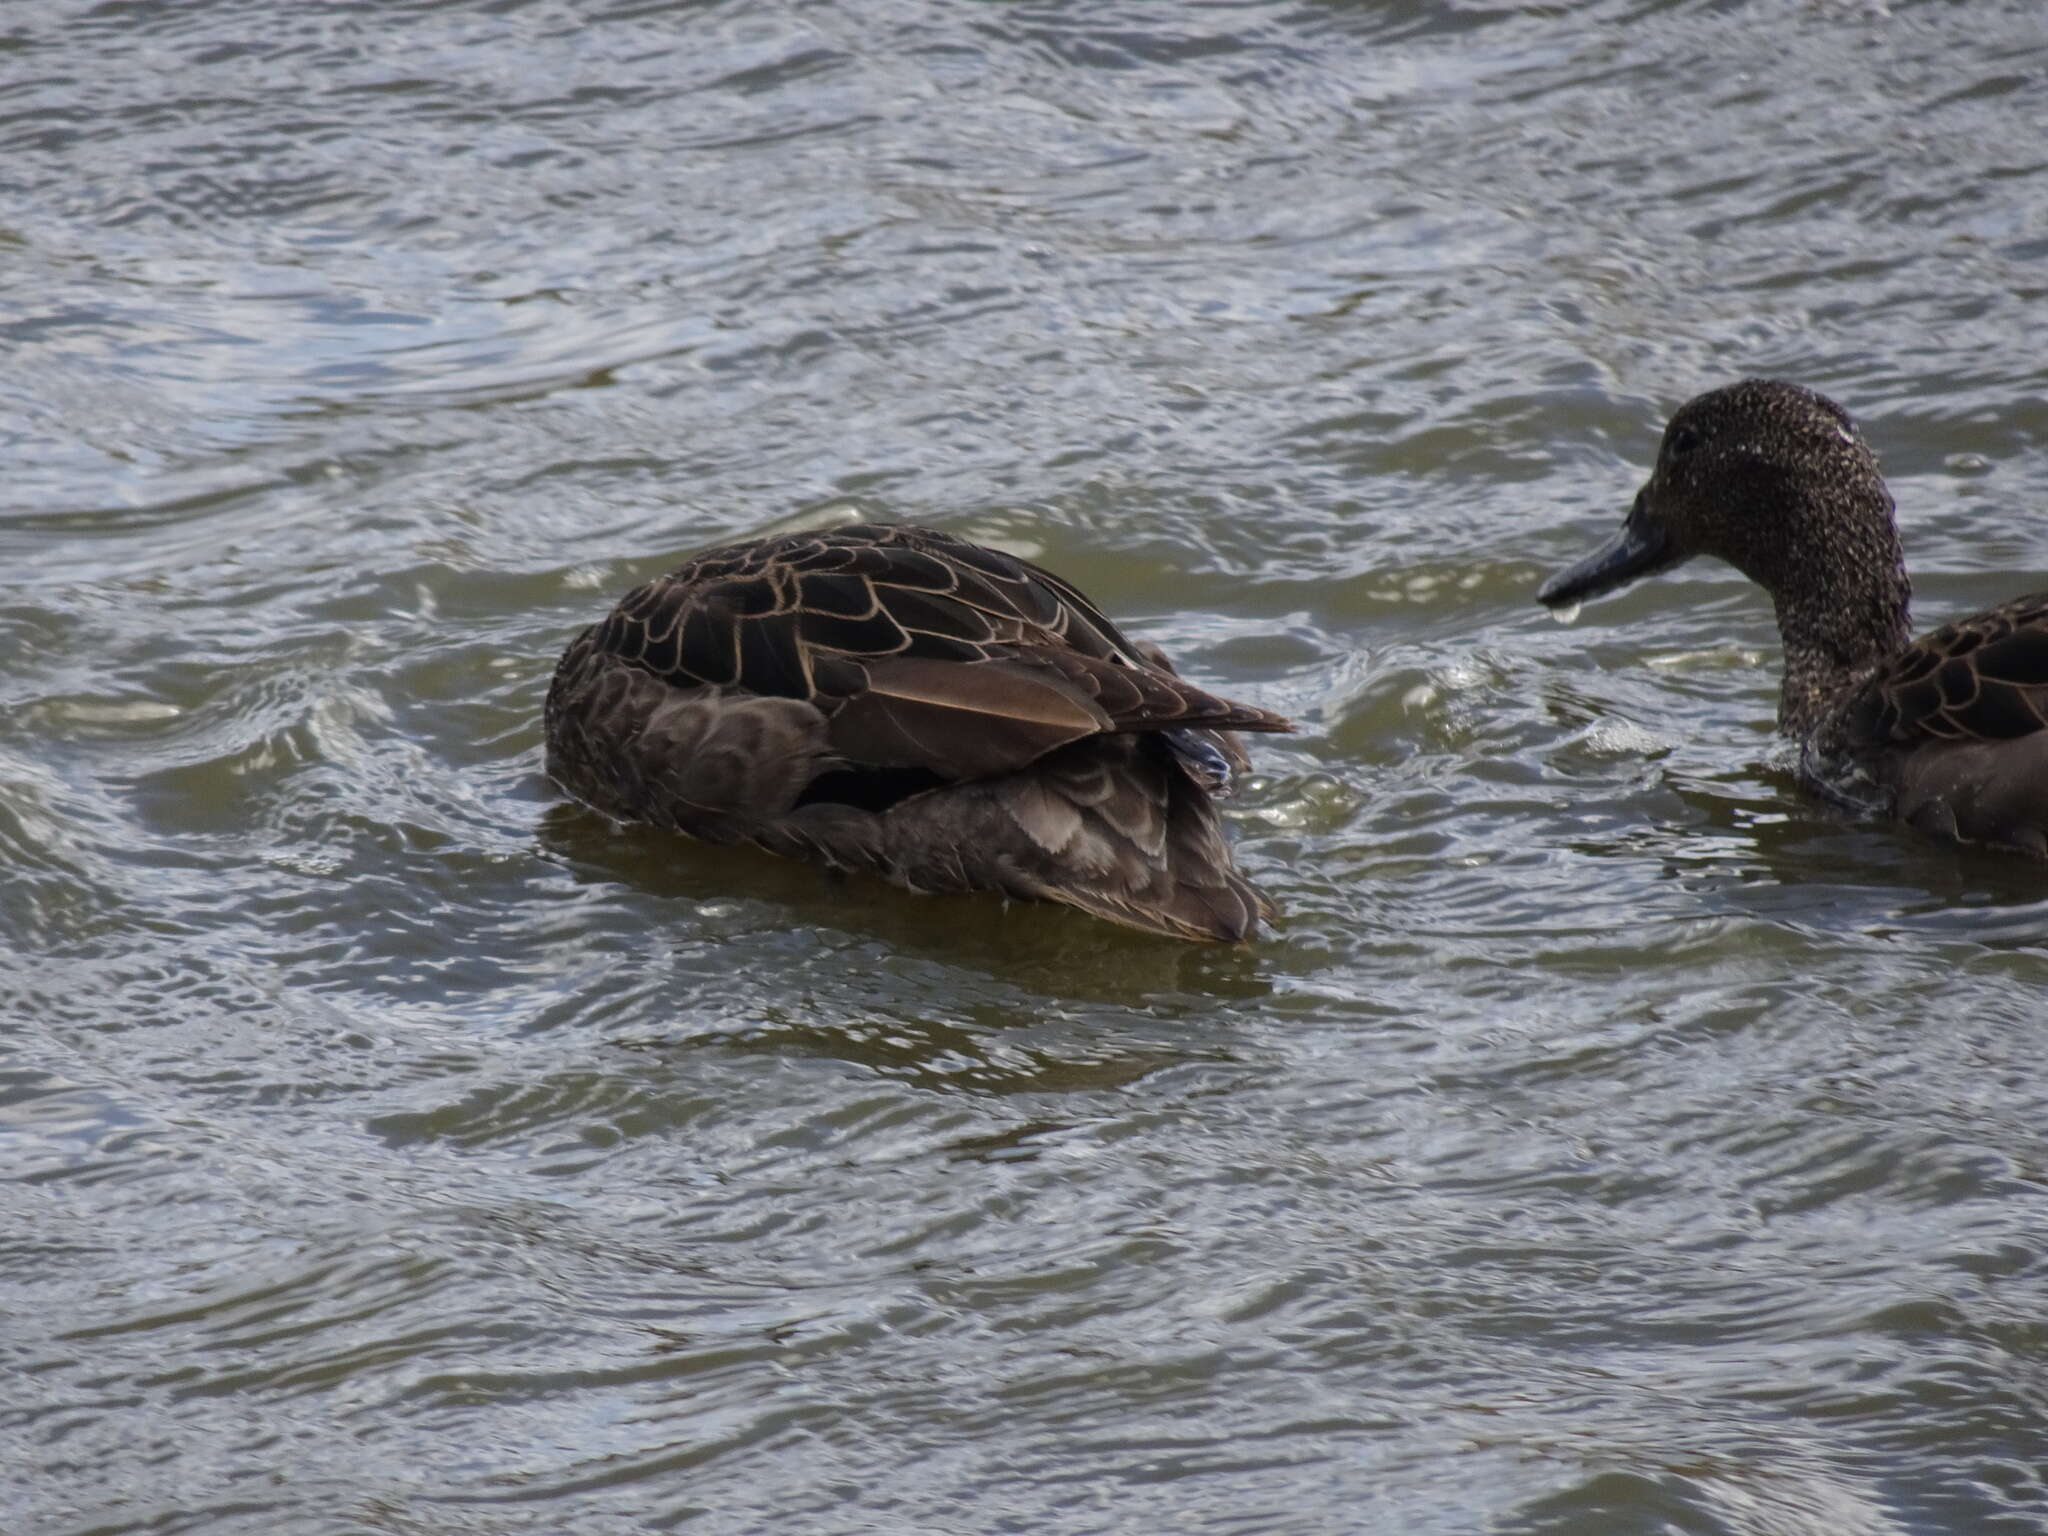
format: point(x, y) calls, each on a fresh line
point(1948, 732)
point(898, 701)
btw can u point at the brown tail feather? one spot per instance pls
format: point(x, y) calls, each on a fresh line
point(1110, 825)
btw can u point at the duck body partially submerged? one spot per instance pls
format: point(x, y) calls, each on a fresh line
point(1951, 734)
point(1948, 732)
point(893, 700)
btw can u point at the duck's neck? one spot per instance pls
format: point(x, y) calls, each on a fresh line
point(1843, 620)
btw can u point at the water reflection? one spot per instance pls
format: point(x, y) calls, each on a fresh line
point(1609, 1138)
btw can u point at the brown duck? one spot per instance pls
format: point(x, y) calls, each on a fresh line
point(899, 701)
point(1948, 732)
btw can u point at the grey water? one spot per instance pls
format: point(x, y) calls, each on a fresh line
point(1608, 1139)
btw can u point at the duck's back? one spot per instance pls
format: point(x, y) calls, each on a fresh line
point(1954, 729)
point(901, 701)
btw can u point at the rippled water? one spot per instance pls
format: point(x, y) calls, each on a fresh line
point(1609, 1140)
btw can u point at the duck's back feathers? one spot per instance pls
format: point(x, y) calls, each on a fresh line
point(1984, 678)
point(1955, 728)
point(897, 700)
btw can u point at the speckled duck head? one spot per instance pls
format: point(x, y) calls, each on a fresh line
point(1777, 481)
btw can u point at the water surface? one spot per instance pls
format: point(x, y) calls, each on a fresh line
point(1608, 1141)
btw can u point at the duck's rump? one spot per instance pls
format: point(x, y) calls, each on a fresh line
point(1115, 825)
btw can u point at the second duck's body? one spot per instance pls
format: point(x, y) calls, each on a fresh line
point(895, 700)
point(1949, 731)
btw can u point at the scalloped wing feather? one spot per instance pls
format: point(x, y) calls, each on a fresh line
point(969, 721)
point(858, 592)
point(1981, 679)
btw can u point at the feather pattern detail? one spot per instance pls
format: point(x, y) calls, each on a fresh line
point(898, 701)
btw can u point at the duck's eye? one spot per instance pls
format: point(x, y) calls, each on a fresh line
point(1681, 442)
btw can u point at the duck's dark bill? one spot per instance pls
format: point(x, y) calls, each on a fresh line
point(1635, 551)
